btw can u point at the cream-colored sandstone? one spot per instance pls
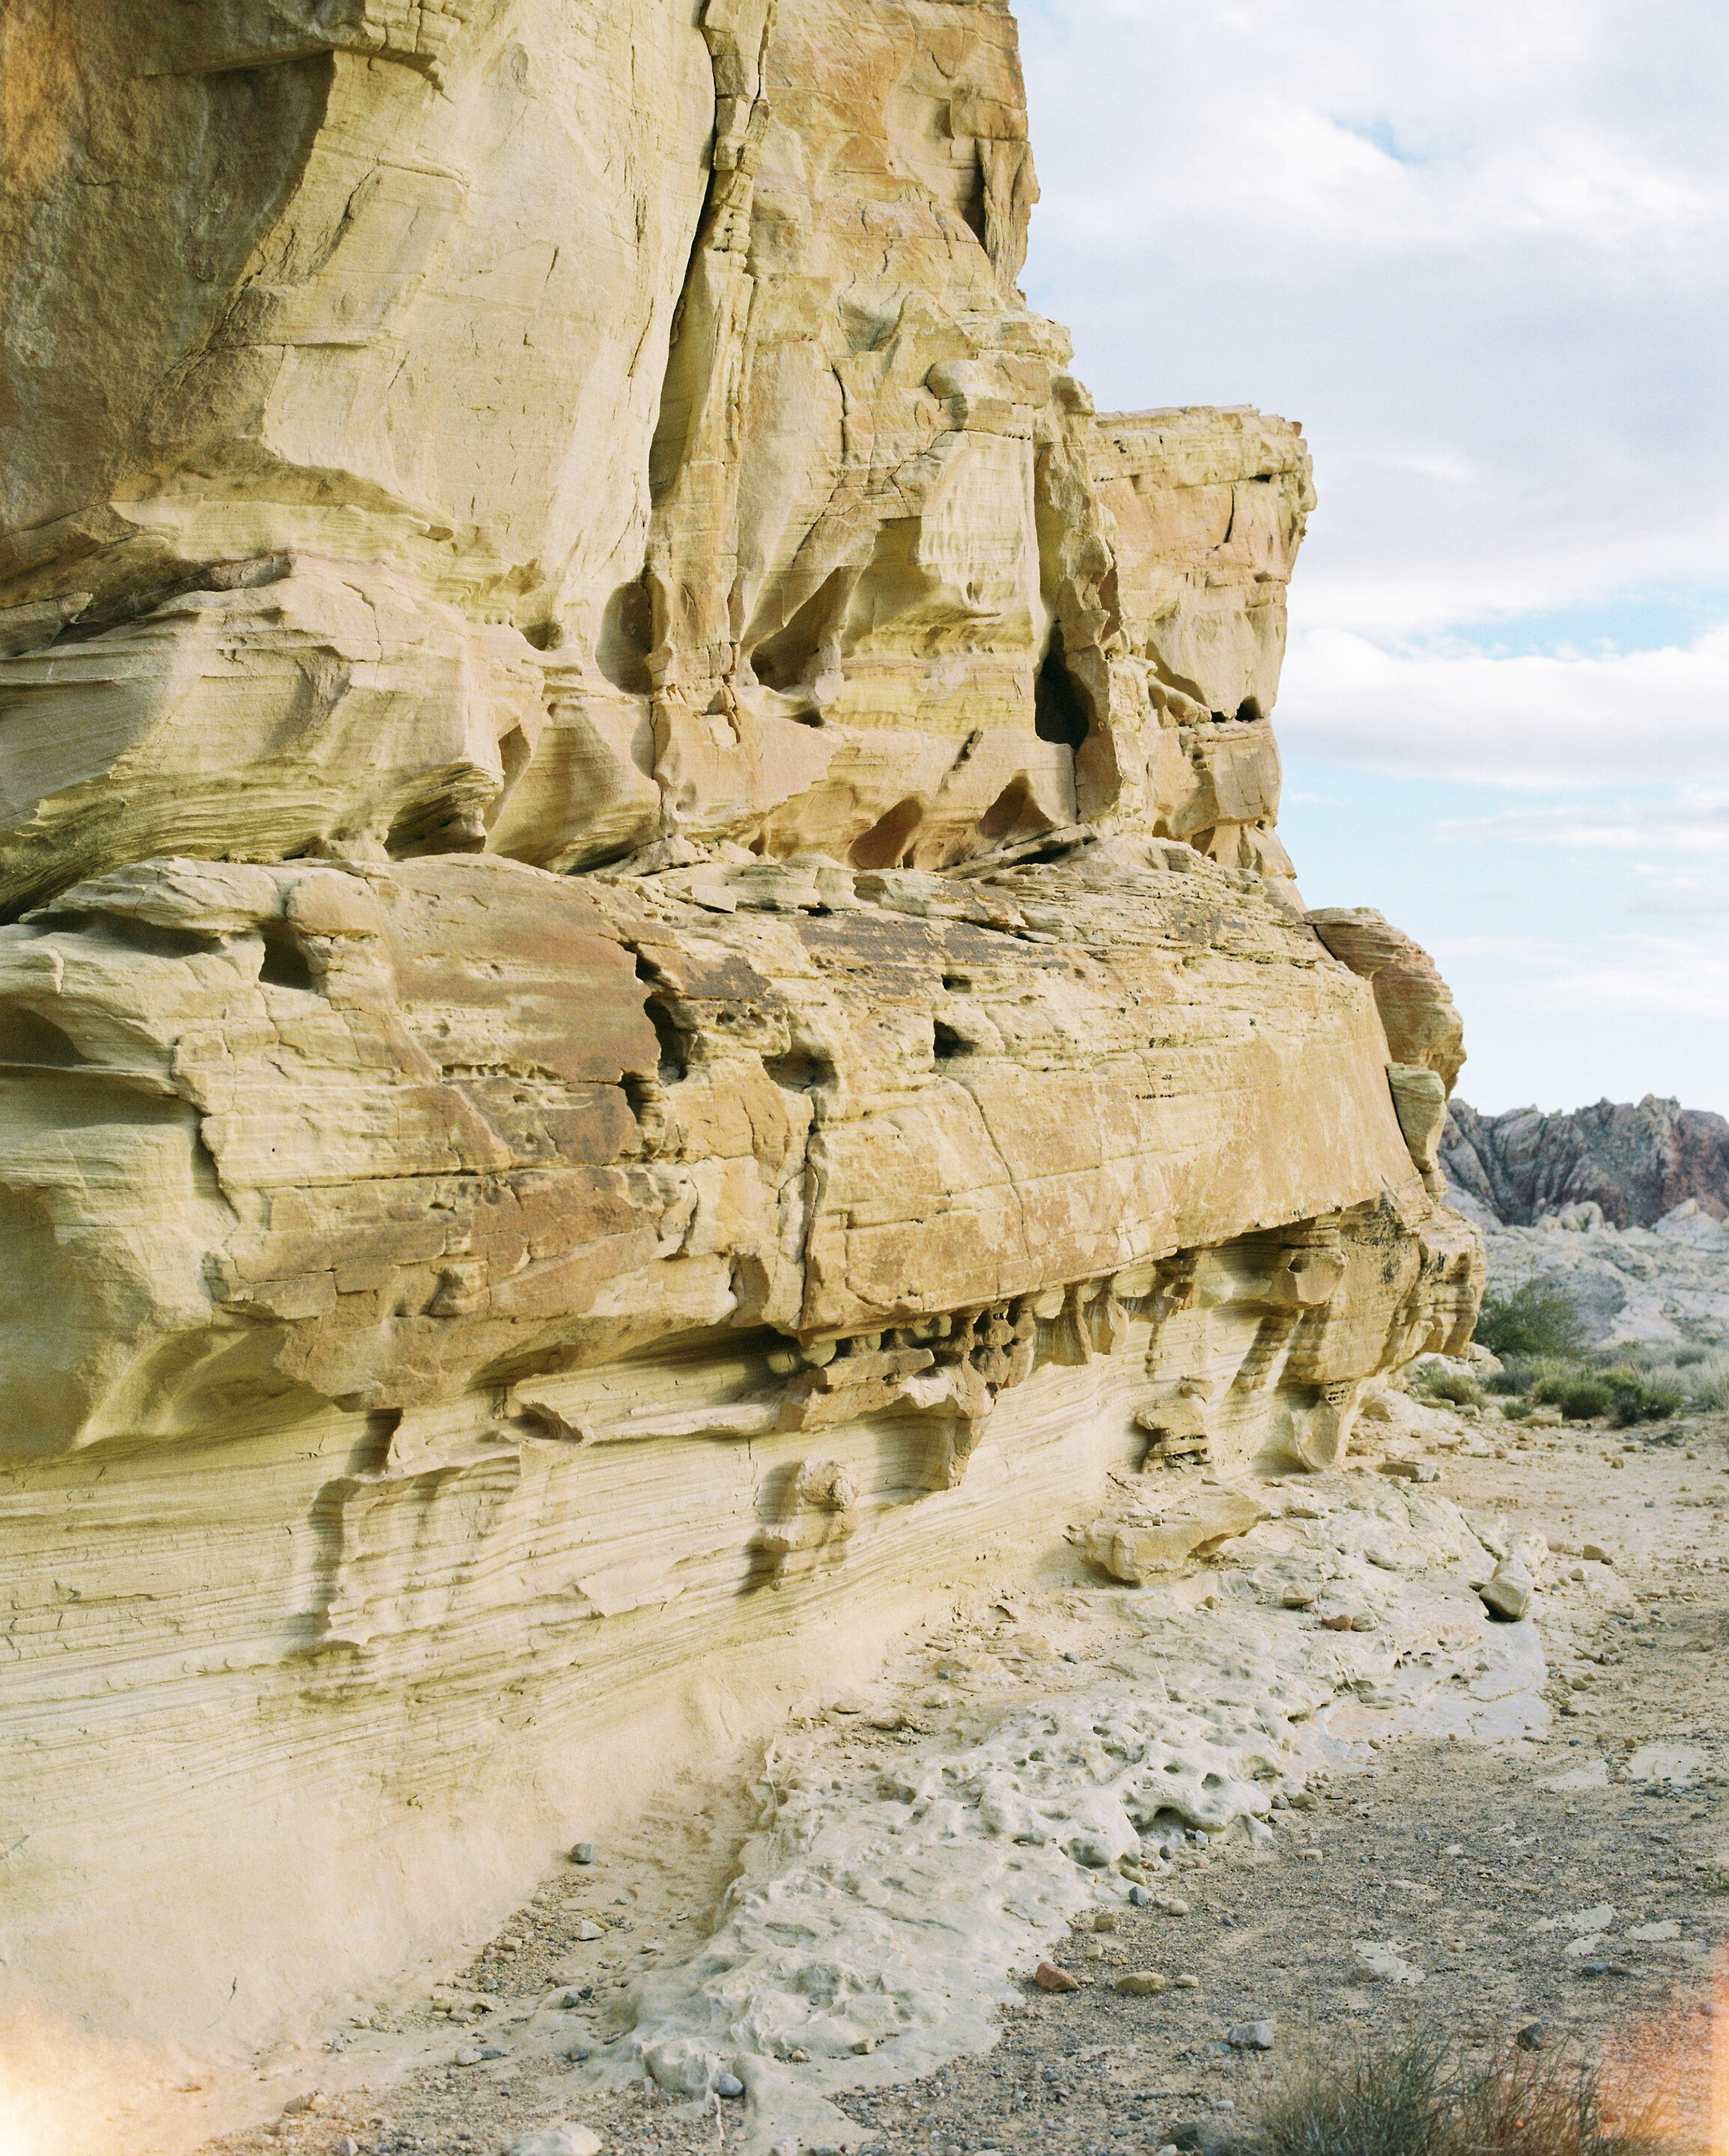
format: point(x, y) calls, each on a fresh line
point(650, 1002)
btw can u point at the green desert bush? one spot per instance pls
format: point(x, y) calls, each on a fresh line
point(1633, 1399)
point(1535, 1319)
point(1638, 1383)
point(1457, 1387)
point(1707, 1382)
point(1580, 1396)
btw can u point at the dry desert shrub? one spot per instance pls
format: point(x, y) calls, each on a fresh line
point(1410, 2100)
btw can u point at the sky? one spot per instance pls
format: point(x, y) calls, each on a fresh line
point(1481, 253)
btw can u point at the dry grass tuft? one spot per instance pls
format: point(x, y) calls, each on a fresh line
point(1410, 2101)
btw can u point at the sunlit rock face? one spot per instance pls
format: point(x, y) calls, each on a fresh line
point(649, 1001)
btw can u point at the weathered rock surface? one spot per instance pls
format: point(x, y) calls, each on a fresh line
point(1425, 1037)
point(1134, 1546)
point(648, 994)
point(1638, 1161)
point(1669, 1284)
point(1623, 1207)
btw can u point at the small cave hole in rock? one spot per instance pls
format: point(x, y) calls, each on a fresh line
point(1248, 711)
point(286, 964)
point(1014, 815)
point(657, 1006)
point(798, 1071)
point(947, 1045)
point(441, 826)
point(1059, 709)
point(627, 637)
point(25, 1037)
point(888, 842)
point(788, 659)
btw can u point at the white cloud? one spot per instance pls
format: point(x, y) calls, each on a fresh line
point(1680, 892)
point(1375, 125)
point(1695, 822)
point(1643, 976)
point(1670, 976)
point(1630, 718)
point(1481, 252)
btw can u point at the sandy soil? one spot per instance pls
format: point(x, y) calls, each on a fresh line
point(1580, 1880)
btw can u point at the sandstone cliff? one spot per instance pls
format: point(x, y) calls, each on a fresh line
point(650, 999)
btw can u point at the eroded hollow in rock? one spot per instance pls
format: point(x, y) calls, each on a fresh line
point(1060, 709)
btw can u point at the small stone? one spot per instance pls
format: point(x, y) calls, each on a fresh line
point(1341, 1623)
point(556, 2141)
point(1104, 1920)
point(1141, 1984)
point(475, 2054)
point(348, 2146)
point(1174, 1905)
point(1378, 1962)
point(1530, 2038)
point(1252, 2035)
point(1595, 1553)
point(1139, 1898)
point(1049, 1978)
point(1186, 1983)
point(582, 1853)
point(1603, 1969)
point(1093, 1950)
point(1411, 1470)
point(730, 2085)
point(1508, 1594)
point(589, 1930)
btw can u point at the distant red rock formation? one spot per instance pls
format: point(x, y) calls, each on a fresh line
point(1638, 1161)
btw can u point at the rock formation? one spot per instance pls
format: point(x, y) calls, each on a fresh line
point(1666, 1285)
point(1636, 1162)
point(650, 1000)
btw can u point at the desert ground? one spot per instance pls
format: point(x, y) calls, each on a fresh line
point(1560, 1882)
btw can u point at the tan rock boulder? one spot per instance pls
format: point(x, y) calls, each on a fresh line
point(1422, 1022)
point(1134, 1550)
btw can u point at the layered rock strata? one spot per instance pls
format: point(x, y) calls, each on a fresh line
point(650, 1002)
